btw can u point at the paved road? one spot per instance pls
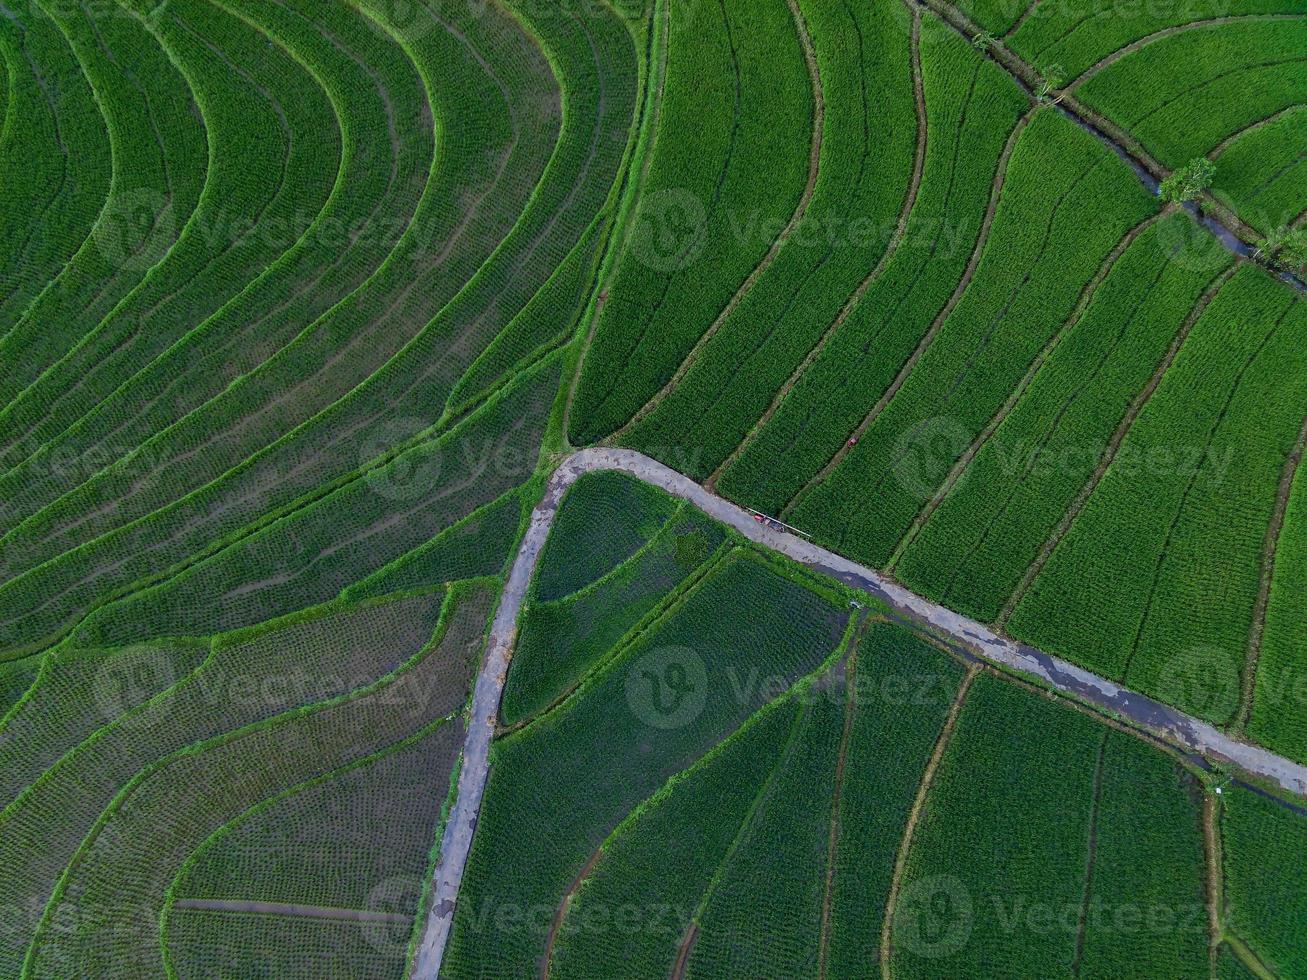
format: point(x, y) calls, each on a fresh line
point(1188, 733)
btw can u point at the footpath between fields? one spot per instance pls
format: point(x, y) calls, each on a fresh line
point(1190, 735)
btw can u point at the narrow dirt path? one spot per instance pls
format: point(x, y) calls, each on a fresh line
point(1248, 677)
point(833, 839)
point(1095, 810)
point(293, 910)
point(1113, 447)
point(1104, 696)
point(914, 816)
point(1215, 869)
point(560, 913)
point(683, 951)
point(855, 299)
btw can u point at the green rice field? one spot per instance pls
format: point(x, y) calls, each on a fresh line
point(402, 403)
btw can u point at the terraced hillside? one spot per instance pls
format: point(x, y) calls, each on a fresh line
point(767, 775)
point(303, 303)
point(997, 365)
point(287, 293)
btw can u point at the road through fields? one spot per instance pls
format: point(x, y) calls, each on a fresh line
point(1189, 734)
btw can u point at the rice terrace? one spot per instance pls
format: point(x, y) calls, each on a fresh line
point(653, 488)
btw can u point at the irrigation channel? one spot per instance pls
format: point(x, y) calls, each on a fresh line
point(1148, 170)
point(1191, 735)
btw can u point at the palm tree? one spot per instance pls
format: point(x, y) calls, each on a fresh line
point(1051, 79)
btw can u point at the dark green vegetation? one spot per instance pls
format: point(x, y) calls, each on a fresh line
point(1104, 877)
point(987, 357)
point(285, 292)
point(649, 710)
point(764, 779)
point(1266, 907)
point(611, 574)
point(302, 300)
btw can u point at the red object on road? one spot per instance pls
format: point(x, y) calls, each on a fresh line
point(758, 518)
point(853, 442)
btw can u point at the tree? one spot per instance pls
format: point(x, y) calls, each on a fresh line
point(1286, 247)
point(983, 41)
point(1189, 182)
point(1051, 78)
point(1272, 243)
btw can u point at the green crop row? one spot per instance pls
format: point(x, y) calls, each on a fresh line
point(658, 886)
point(350, 833)
point(1263, 844)
point(79, 692)
point(1050, 235)
point(322, 449)
point(972, 552)
point(753, 892)
point(732, 153)
point(1279, 707)
point(1147, 900)
point(762, 914)
point(241, 683)
point(548, 318)
point(604, 518)
point(478, 546)
point(1183, 94)
point(1154, 583)
point(356, 839)
point(1105, 873)
point(122, 869)
point(954, 915)
point(902, 694)
point(15, 680)
point(313, 552)
point(1261, 174)
point(869, 134)
point(46, 216)
point(353, 339)
point(560, 786)
point(173, 248)
point(561, 641)
point(127, 399)
point(226, 944)
point(970, 108)
point(1080, 35)
point(996, 16)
